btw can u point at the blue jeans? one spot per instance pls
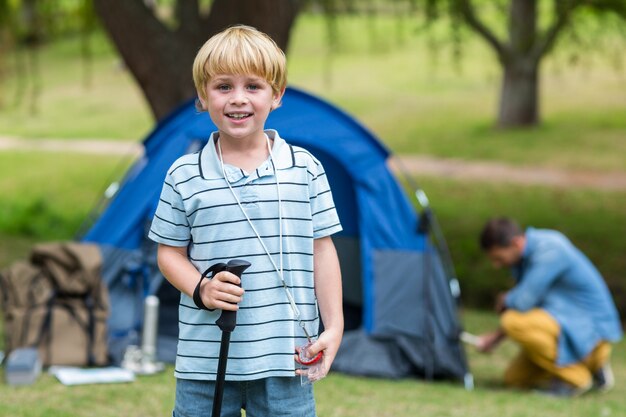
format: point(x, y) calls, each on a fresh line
point(260, 398)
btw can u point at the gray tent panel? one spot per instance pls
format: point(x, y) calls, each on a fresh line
point(416, 329)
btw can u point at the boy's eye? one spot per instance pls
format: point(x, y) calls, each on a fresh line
point(253, 87)
point(223, 87)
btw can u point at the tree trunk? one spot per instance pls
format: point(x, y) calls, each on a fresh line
point(519, 105)
point(519, 94)
point(160, 58)
point(519, 57)
point(274, 17)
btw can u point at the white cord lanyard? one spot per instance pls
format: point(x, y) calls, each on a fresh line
point(292, 302)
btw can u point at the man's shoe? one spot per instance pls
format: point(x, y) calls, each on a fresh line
point(603, 378)
point(560, 388)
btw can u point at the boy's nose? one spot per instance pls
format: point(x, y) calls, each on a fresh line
point(238, 98)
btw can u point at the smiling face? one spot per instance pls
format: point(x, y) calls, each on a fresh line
point(240, 75)
point(239, 105)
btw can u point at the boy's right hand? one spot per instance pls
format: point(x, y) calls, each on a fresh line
point(223, 291)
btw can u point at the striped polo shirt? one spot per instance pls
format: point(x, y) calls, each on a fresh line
point(197, 210)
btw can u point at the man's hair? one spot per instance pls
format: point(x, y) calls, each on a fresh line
point(240, 50)
point(499, 232)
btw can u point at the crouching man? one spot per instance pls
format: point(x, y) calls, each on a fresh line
point(559, 312)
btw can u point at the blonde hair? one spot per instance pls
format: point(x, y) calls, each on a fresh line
point(240, 50)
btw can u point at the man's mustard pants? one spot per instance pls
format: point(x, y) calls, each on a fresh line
point(537, 333)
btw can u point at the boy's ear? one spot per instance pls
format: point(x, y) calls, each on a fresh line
point(201, 104)
point(278, 96)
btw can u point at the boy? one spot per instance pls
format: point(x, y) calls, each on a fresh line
point(248, 194)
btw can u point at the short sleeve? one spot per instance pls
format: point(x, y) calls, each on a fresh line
point(323, 211)
point(170, 225)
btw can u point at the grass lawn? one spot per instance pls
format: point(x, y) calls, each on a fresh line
point(54, 194)
point(337, 396)
point(588, 216)
point(61, 192)
point(591, 219)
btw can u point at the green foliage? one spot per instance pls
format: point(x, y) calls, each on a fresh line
point(419, 103)
point(34, 218)
point(48, 196)
point(32, 21)
point(27, 24)
point(591, 219)
point(110, 105)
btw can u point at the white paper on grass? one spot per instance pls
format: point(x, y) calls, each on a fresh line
point(69, 375)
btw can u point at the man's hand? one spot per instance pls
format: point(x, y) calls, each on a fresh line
point(487, 342)
point(500, 305)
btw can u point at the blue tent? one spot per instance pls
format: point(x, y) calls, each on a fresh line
point(396, 291)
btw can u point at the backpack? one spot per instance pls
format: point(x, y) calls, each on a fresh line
point(57, 303)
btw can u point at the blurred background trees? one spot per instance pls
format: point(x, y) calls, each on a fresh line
point(413, 71)
point(532, 30)
point(158, 47)
point(158, 39)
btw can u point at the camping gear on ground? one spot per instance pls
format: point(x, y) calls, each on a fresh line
point(23, 366)
point(73, 375)
point(400, 292)
point(227, 322)
point(142, 360)
point(470, 339)
point(57, 303)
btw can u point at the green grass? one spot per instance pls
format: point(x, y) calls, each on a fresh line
point(51, 202)
point(338, 395)
point(47, 196)
point(591, 219)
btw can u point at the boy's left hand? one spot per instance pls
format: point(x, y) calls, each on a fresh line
point(328, 343)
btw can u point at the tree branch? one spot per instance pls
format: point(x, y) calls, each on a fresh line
point(274, 17)
point(135, 13)
point(148, 50)
point(563, 11)
point(467, 11)
point(188, 16)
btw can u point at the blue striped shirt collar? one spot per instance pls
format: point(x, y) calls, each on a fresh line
point(210, 167)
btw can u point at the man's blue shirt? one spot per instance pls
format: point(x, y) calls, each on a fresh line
point(555, 276)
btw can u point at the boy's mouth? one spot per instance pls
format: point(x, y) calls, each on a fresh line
point(238, 116)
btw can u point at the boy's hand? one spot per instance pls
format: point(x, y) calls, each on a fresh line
point(223, 291)
point(328, 342)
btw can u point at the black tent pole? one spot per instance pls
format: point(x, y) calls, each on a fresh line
point(427, 274)
point(226, 322)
